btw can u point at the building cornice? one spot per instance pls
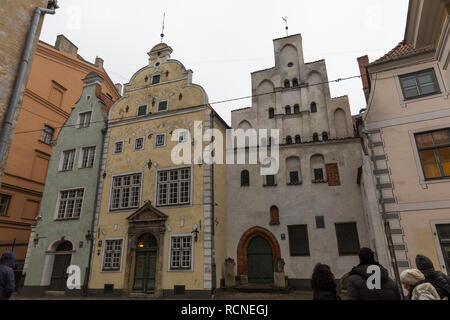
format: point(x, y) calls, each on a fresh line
point(46, 103)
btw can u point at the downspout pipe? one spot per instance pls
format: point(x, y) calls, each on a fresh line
point(213, 225)
point(12, 107)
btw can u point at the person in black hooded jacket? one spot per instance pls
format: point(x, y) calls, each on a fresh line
point(7, 283)
point(357, 280)
point(323, 283)
point(439, 280)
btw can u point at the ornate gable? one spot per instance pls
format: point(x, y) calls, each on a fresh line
point(147, 213)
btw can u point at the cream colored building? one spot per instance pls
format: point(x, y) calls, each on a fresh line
point(160, 226)
point(407, 122)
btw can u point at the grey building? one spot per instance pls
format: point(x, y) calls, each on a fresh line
point(62, 236)
point(312, 210)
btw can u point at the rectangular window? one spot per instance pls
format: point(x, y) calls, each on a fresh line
point(174, 187)
point(67, 161)
point(318, 174)
point(113, 255)
point(142, 110)
point(270, 180)
point(118, 147)
point(347, 238)
point(138, 143)
point(84, 119)
point(183, 136)
point(320, 222)
point(434, 153)
point(419, 84)
point(443, 231)
point(298, 240)
point(156, 79)
point(293, 177)
point(4, 204)
point(181, 253)
point(162, 105)
point(126, 192)
point(47, 134)
point(87, 157)
point(70, 202)
point(160, 140)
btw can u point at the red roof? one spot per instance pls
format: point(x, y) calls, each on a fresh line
point(107, 101)
point(402, 50)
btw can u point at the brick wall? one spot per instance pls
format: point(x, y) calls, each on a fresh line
point(333, 174)
point(15, 21)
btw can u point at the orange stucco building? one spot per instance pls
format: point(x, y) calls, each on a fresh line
point(53, 88)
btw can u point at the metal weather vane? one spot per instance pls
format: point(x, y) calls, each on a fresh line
point(285, 19)
point(162, 31)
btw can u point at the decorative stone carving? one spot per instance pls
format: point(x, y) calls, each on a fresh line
point(229, 274)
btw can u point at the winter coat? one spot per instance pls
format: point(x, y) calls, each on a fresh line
point(7, 283)
point(325, 295)
point(357, 285)
point(424, 291)
point(439, 280)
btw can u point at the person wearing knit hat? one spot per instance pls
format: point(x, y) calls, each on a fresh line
point(418, 288)
point(439, 280)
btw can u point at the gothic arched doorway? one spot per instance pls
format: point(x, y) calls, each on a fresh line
point(259, 261)
point(63, 256)
point(145, 264)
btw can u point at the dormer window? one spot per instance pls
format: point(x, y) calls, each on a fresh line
point(156, 79)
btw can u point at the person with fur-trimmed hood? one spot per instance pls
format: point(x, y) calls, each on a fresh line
point(7, 282)
point(439, 280)
point(417, 286)
point(357, 288)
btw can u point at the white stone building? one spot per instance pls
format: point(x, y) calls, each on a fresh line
point(311, 211)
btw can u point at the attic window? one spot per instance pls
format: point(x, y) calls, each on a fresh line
point(290, 65)
point(156, 79)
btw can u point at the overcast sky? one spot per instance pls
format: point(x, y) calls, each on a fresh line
point(224, 41)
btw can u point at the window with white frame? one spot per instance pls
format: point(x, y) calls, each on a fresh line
point(418, 84)
point(162, 105)
point(118, 147)
point(160, 140)
point(126, 192)
point(47, 134)
point(113, 255)
point(174, 187)
point(183, 136)
point(181, 253)
point(70, 202)
point(87, 157)
point(139, 143)
point(84, 120)
point(67, 160)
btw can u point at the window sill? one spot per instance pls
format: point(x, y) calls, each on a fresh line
point(269, 185)
point(43, 142)
point(245, 185)
point(123, 210)
point(319, 181)
point(65, 170)
point(404, 102)
point(181, 270)
point(300, 255)
point(274, 223)
point(66, 219)
point(426, 182)
point(294, 183)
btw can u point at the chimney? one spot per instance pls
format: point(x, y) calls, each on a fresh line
point(362, 63)
point(64, 44)
point(119, 88)
point(99, 62)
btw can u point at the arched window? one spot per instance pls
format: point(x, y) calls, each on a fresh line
point(287, 84)
point(313, 107)
point(147, 241)
point(271, 113)
point(245, 178)
point(289, 140)
point(293, 171)
point(288, 109)
point(64, 246)
point(324, 136)
point(298, 139)
point(315, 137)
point(295, 82)
point(296, 108)
point(274, 216)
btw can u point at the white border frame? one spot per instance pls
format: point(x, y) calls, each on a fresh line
point(146, 110)
point(61, 160)
point(191, 202)
point(165, 140)
point(143, 143)
point(111, 186)
point(123, 147)
point(170, 252)
point(121, 255)
point(58, 198)
point(157, 107)
point(79, 118)
point(80, 158)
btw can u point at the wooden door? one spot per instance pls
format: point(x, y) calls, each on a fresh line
point(145, 271)
point(58, 281)
point(259, 261)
